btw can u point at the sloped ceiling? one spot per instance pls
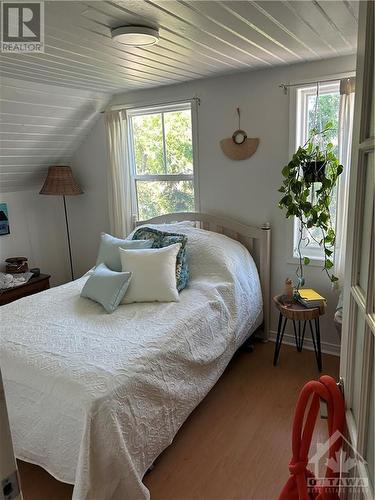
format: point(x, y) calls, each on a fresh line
point(41, 125)
point(49, 101)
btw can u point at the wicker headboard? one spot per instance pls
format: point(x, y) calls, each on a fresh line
point(256, 239)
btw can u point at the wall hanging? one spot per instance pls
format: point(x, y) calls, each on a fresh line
point(4, 219)
point(239, 146)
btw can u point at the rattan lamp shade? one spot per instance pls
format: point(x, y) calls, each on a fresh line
point(60, 182)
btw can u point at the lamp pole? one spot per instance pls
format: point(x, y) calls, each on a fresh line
point(68, 235)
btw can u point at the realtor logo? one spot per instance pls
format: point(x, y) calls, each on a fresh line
point(22, 27)
point(346, 465)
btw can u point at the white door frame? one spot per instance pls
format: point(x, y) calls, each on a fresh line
point(358, 303)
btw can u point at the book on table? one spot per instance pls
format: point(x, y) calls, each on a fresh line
point(311, 298)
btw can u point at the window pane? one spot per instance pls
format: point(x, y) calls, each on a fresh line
point(316, 115)
point(313, 236)
point(148, 144)
point(366, 222)
point(178, 142)
point(369, 453)
point(327, 110)
point(357, 362)
point(162, 197)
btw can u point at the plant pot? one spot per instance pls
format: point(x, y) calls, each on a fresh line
point(314, 171)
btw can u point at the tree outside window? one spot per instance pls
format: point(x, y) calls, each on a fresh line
point(162, 159)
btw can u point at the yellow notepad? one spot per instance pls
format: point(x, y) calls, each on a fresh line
point(308, 294)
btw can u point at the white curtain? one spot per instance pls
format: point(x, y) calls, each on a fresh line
point(346, 112)
point(119, 181)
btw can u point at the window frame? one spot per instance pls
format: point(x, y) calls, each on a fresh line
point(191, 105)
point(297, 113)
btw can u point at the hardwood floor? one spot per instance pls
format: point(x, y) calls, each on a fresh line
point(235, 445)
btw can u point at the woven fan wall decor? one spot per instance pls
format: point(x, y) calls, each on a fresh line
point(239, 146)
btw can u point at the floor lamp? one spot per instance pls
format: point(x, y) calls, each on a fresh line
point(60, 182)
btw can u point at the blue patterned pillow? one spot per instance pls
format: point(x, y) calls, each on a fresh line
point(163, 239)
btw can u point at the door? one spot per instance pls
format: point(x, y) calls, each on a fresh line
point(357, 350)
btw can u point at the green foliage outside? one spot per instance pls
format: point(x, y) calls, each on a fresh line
point(152, 158)
point(327, 112)
point(156, 198)
point(148, 144)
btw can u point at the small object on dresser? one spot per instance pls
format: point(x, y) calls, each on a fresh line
point(15, 265)
point(34, 284)
point(6, 281)
point(35, 271)
point(13, 280)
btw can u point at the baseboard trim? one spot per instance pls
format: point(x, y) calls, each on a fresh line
point(327, 347)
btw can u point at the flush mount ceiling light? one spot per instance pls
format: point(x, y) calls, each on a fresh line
point(135, 36)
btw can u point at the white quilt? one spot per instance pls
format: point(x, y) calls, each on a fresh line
point(95, 398)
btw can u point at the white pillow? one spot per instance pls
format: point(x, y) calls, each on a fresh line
point(154, 274)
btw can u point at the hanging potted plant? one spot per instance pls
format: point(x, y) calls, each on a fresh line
point(309, 179)
point(314, 168)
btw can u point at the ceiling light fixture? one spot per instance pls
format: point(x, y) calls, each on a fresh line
point(135, 36)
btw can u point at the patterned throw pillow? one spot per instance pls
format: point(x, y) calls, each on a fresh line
point(164, 239)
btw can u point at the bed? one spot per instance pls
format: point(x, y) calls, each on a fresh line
point(95, 398)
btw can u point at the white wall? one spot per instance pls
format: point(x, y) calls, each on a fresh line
point(244, 190)
point(37, 231)
point(89, 212)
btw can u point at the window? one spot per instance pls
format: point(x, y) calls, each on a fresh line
point(315, 112)
point(162, 160)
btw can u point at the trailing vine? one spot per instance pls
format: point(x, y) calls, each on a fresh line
point(309, 200)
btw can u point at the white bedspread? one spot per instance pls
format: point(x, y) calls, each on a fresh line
point(95, 398)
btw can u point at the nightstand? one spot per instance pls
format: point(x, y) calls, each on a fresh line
point(303, 315)
point(34, 285)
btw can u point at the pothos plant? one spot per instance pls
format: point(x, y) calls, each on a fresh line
point(309, 180)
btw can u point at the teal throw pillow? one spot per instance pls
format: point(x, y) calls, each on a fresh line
point(106, 287)
point(109, 250)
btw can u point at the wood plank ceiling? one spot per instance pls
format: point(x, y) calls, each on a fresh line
point(41, 125)
point(48, 101)
point(197, 39)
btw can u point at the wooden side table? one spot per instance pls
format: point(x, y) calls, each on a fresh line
point(34, 285)
point(297, 312)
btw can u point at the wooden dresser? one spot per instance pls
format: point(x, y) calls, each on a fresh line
point(34, 285)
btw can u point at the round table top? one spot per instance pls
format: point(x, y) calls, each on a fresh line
point(297, 311)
